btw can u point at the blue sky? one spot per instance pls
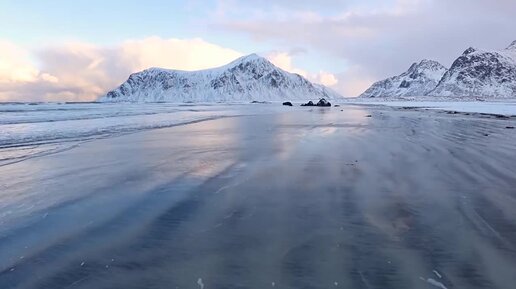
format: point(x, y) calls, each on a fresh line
point(33, 21)
point(344, 44)
point(109, 22)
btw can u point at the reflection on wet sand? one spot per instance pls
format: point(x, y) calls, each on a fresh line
point(297, 199)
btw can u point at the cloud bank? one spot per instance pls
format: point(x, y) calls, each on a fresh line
point(83, 71)
point(284, 61)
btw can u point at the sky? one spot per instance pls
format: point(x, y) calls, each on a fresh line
point(58, 50)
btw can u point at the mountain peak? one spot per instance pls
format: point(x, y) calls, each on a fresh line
point(469, 50)
point(426, 61)
point(512, 46)
point(432, 64)
point(426, 64)
point(249, 58)
point(420, 78)
point(252, 56)
point(413, 66)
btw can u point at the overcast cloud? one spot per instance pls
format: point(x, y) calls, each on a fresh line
point(379, 40)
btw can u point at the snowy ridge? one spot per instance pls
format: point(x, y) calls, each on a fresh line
point(249, 78)
point(512, 47)
point(481, 73)
point(419, 79)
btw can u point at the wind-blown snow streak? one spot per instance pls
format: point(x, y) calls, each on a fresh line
point(250, 78)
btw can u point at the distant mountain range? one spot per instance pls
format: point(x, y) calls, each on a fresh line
point(250, 78)
point(476, 73)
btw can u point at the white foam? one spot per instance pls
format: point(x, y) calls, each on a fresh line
point(433, 282)
point(437, 274)
point(200, 283)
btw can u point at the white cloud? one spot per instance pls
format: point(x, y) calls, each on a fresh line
point(284, 61)
point(354, 81)
point(15, 65)
point(328, 79)
point(183, 54)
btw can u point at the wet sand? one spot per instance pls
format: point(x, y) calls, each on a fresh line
point(300, 198)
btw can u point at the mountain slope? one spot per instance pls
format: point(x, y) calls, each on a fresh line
point(250, 78)
point(418, 80)
point(479, 73)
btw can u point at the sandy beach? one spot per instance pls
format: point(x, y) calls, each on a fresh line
point(342, 197)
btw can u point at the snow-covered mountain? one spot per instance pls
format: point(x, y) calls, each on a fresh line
point(480, 73)
point(418, 80)
point(476, 73)
point(250, 78)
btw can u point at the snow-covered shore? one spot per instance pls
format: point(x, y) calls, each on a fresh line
point(505, 107)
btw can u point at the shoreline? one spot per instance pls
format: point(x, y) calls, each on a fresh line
point(263, 198)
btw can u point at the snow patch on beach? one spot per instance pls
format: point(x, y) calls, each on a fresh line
point(507, 107)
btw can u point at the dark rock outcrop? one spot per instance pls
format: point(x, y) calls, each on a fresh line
point(322, 102)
